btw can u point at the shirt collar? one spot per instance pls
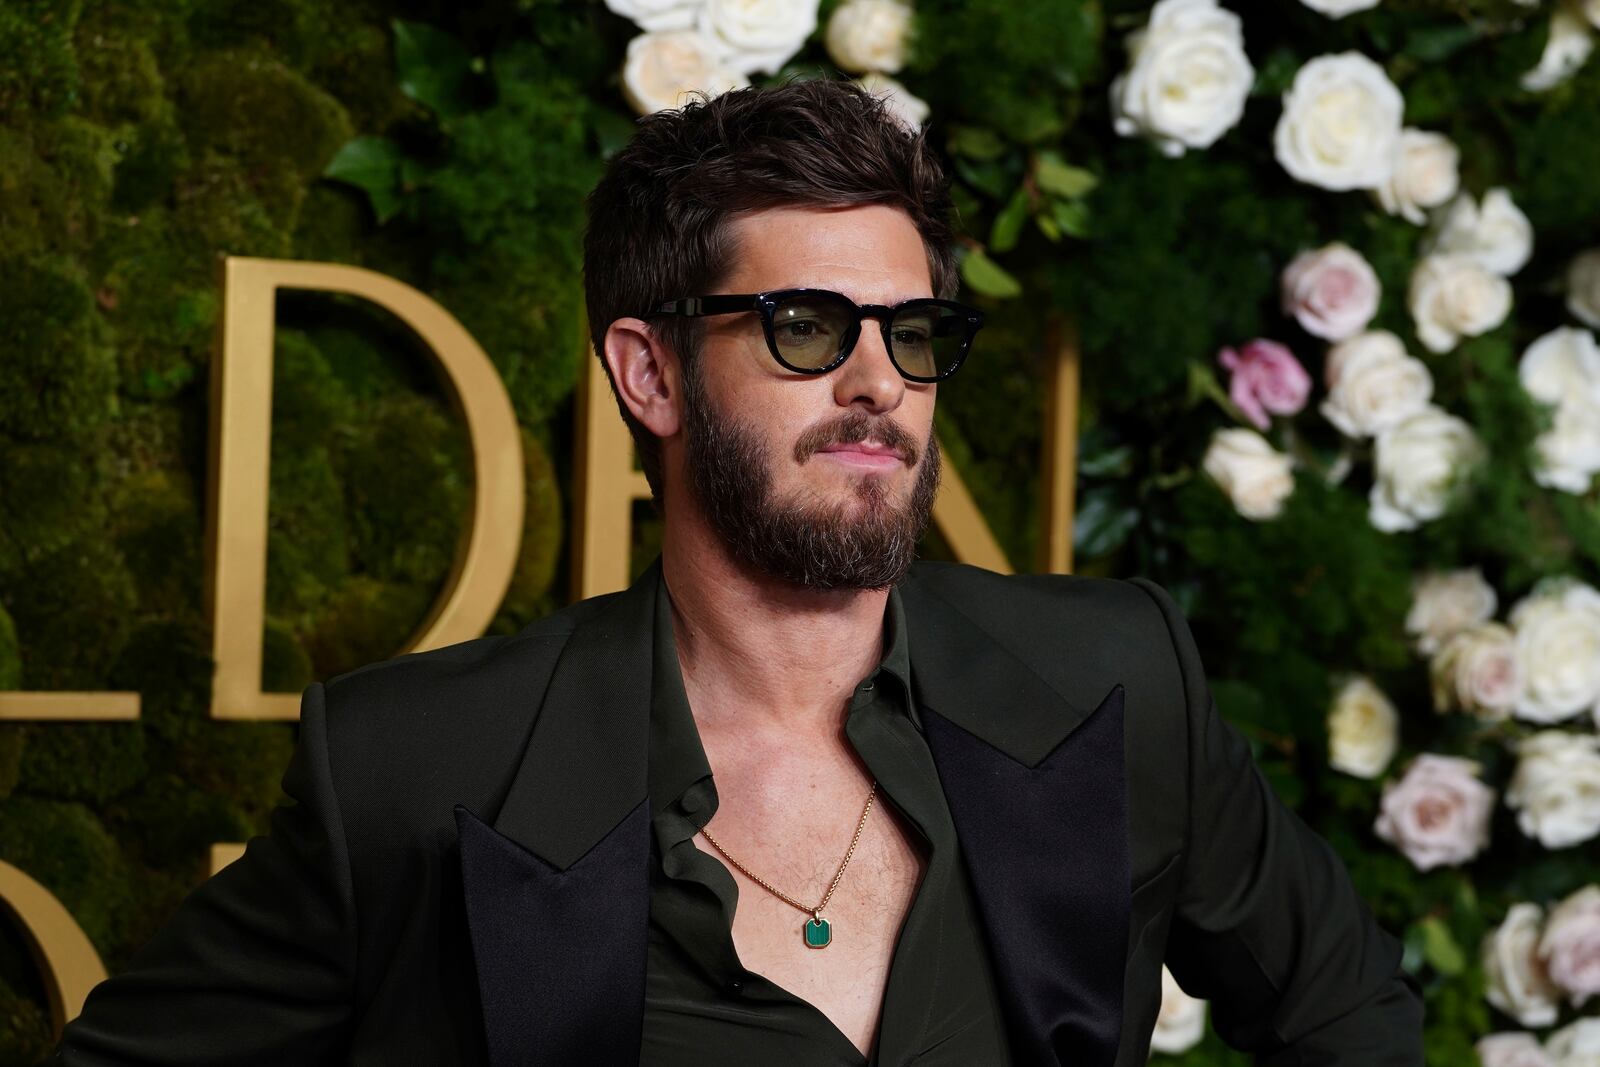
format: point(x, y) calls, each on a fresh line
point(677, 760)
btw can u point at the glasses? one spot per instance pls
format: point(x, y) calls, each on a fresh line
point(812, 331)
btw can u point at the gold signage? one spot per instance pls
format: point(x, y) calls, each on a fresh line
point(66, 960)
point(241, 439)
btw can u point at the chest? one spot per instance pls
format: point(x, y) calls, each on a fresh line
point(845, 980)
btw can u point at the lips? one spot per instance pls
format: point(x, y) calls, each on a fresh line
point(866, 448)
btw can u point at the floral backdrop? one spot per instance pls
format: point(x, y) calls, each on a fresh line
point(1335, 270)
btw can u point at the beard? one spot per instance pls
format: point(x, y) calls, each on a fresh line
point(867, 542)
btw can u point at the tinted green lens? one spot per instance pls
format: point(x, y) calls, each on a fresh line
point(809, 331)
point(928, 340)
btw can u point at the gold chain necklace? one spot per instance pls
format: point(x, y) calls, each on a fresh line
point(817, 931)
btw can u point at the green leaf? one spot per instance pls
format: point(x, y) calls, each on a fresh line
point(371, 164)
point(1056, 176)
point(1048, 226)
point(1436, 43)
point(1008, 223)
point(988, 177)
point(988, 277)
point(612, 130)
point(1439, 947)
point(975, 142)
point(1103, 521)
point(1112, 463)
point(1072, 216)
point(434, 68)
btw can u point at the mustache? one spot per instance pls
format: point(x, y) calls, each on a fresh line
point(854, 427)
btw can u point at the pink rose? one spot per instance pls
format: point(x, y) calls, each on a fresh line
point(1512, 1049)
point(1438, 814)
point(1570, 946)
point(1332, 292)
point(1265, 377)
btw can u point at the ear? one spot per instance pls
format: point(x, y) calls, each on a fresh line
point(646, 374)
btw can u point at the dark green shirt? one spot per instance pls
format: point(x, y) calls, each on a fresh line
point(702, 1007)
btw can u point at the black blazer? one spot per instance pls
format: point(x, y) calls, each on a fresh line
point(462, 876)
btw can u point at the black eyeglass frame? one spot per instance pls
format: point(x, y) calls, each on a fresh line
point(767, 304)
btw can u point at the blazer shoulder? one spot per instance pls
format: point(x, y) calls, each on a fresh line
point(449, 717)
point(1079, 633)
point(999, 598)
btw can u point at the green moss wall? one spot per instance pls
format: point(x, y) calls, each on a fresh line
point(138, 143)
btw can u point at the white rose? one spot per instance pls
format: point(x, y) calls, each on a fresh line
point(1515, 977)
point(1443, 603)
point(757, 35)
point(910, 110)
point(1570, 947)
point(1340, 123)
point(1558, 645)
point(1187, 77)
point(1568, 454)
point(656, 15)
point(1332, 292)
point(1562, 368)
point(663, 68)
point(869, 35)
point(1583, 287)
point(1495, 234)
point(1568, 47)
point(1373, 384)
point(1417, 466)
point(1363, 729)
point(1338, 9)
point(1181, 1022)
point(1512, 1049)
point(1257, 477)
point(1591, 11)
point(1563, 362)
point(1555, 789)
point(1576, 1045)
point(1477, 671)
point(1453, 297)
point(1426, 174)
point(1438, 814)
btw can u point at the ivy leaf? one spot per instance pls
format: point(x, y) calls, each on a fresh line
point(1103, 521)
point(1008, 223)
point(988, 277)
point(434, 68)
point(1439, 947)
point(371, 164)
point(1114, 462)
point(975, 142)
point(1434, 44)
point(1056, 176)
point(612, 130)
point(1072, 216)
point(987, 177)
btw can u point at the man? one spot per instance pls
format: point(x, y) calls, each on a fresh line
point(789, 799)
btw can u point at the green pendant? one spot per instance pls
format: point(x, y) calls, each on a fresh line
point(818, 932)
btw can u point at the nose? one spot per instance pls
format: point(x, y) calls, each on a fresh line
point(869, 378)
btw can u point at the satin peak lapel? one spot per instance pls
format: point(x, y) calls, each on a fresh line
point(1037, 787)
point(558, 888)
point(1047, 850)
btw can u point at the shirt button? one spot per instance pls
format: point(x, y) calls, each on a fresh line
point(692, 803)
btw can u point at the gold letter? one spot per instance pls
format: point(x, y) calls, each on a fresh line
point(241, 429)
point(1057, 500)
point(66, 960)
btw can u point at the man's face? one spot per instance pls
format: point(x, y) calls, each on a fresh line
point(826, 481)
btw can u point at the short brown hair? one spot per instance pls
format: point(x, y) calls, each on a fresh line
point(658, 219)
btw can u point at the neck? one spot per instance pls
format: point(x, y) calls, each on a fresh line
point(757, 651)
